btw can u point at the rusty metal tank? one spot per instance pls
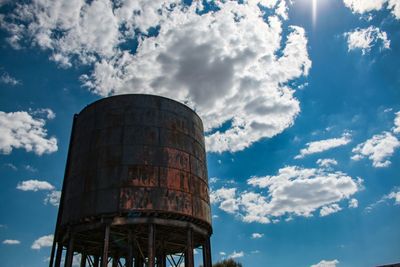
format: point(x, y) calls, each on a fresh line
point(136, 164)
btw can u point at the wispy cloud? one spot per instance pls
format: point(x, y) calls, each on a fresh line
point(46, 112)
point(326, 263)
point(256, 235)
point(11, 242)
point(353, 203)
point(11, 166)
point(30, 168)
point(326, 163)
point(53, 198)
point(329, 209)
point(324, 145)
point(393, 195)
point(396, 128)
point(6, 78)
point(236, 254)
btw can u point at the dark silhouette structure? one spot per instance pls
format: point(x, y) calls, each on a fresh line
point(135, 188)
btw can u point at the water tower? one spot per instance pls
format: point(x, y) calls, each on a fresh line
point(135, 188)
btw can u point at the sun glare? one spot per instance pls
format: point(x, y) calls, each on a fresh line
point(314, 12)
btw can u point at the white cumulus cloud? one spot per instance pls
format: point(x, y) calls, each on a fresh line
point(11, 242)
point(232, 65)
point(41, 242)
point(294, 191)
point(34, 185)
point(324, 145)
point(366, 6)
point(378, 149)
point(365, 39)
point(21, 130)
point(326, 263)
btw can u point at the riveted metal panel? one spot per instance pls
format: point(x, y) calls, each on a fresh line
point(177, 179)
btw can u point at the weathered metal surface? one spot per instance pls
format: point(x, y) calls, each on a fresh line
point(135, 182)
point(136, 153)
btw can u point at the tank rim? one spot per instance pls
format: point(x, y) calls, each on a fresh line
point(146, 95)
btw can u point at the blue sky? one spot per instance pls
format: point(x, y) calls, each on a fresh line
point(300, 100)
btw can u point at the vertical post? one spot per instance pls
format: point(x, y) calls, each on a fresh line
point(115, 261)
point(83, 259)
point(129, 259)
point(58, 254)
point(53, 248)
point(96, 261)
point(162, 258)
point(104, 259)
point(70, 251)
point(138, 261)
point(138, 256)
point(207, 253)
point(189, 258)
point(151, 246)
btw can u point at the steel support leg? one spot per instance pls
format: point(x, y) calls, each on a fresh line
point(53, 248)
point(96, 261)
point(129, 259)
point(138, 261)
point(104, 259)
point(162, 258)
point(138, 255)
point(58, 255)
point(189, 258)
point(70, 252)
point(207, 253)
point(83, 259)
point(115, 261)
point(151, 246)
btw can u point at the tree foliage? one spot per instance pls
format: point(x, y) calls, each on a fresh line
point(227, 263)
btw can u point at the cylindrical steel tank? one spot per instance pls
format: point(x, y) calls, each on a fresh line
point(136, 172)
